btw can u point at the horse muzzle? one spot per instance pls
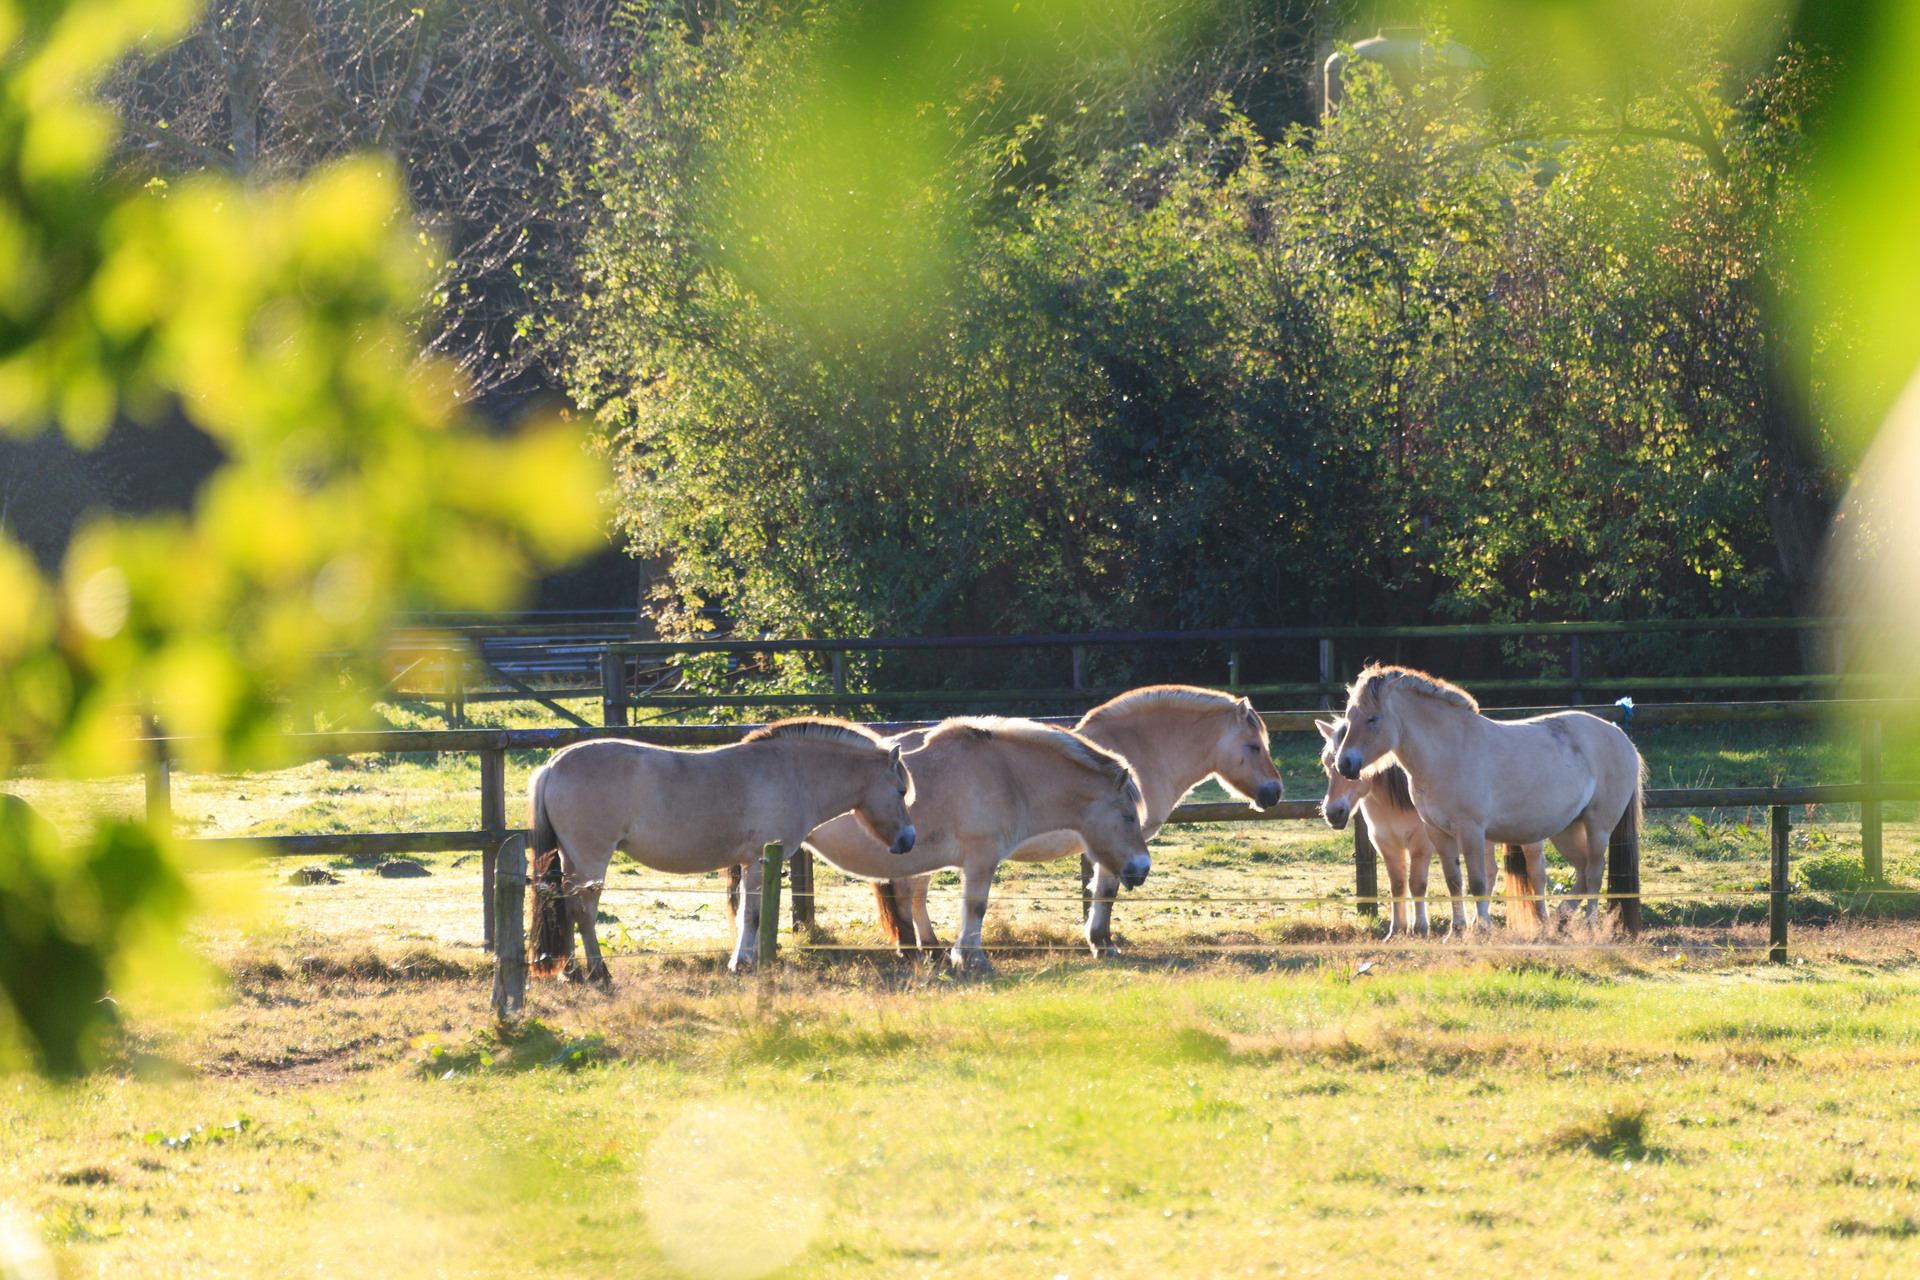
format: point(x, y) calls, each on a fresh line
point(903, 843)
point(1269, 794)
point(1335, 814)
point(1350, 765)
point(1134, 874)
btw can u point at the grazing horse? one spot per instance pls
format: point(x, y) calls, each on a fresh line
point(690, 812)
point(985, 787)
point(1174, 737)
point(1569, 777)
point(1407, 846)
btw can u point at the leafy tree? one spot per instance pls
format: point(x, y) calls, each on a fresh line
point(277, 319)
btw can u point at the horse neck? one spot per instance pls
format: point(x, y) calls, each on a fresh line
point(1170, 756)
point(830, 778)
point(1053, 792)
point(1431, 733)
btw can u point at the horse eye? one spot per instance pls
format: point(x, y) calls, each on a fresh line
point(1373, 719)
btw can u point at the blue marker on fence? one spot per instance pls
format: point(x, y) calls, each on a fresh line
point(1626, 710)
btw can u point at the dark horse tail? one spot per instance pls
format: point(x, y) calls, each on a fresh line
point(550, 937)
point(895, 900)
point(1524, 900)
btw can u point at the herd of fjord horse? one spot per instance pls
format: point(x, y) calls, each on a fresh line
point(1411, 751)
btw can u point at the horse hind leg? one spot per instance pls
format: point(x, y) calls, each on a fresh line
point(584, 902)
point(922, 922)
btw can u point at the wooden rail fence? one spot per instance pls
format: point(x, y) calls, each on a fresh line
point(494, 832)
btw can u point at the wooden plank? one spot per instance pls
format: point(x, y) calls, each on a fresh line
point(1366, 869)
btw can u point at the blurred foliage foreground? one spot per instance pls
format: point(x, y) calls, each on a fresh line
point(281, 322)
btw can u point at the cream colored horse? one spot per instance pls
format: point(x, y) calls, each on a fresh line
point(1407, 845)
point(1174, 737)
point(691, 812)
point(1569, 777)
point(983, 788)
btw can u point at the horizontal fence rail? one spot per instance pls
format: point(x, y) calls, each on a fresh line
point(469, 660)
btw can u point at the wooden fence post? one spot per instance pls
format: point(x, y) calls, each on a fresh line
point(1326, 673)
point(1233, 669)
point(493, 819)
point(1870, 811)
point(1573, 668)
point(1366, 869)
point(509, 908)
point(769, 906)
point(800, 876)
point(1777, 883)
point(613, 688)
point(839, 674)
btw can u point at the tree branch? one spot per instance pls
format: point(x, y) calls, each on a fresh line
point(185, 146)
point(522, 10)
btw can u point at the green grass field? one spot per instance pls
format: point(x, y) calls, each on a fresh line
point(1561, 1115)
point(1257, 1087)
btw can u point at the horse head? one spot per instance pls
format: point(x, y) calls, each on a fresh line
point(1243, 761)
point(1111, 826)
point(1342, 793)
point(882, 807)
point(1372, 728)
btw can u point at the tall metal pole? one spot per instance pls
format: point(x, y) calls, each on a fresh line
point(1870, 811)
point(1777, 899)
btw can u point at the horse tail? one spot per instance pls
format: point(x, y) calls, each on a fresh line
point(895, 900)
point(734, 873)
point(550, 939)
point(1523, 895)
point(1630, 856)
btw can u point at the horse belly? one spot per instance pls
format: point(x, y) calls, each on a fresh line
point(1050, 847)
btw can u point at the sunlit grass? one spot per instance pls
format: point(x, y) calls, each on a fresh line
point(1135, 1119)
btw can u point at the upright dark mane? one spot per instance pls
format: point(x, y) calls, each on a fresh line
point(1066, 743)
point(1374, 682)
point(826, 728)
point(1392, 785)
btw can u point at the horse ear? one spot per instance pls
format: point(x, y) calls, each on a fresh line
point(1327, 728)
point(893, 756)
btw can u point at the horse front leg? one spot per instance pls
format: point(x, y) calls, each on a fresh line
point(1572, 844)
point(1396, 860)
point(1450, 872)
point(746, 943)
point(1099, 927)
point(976, 878)
point(1419, 863)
